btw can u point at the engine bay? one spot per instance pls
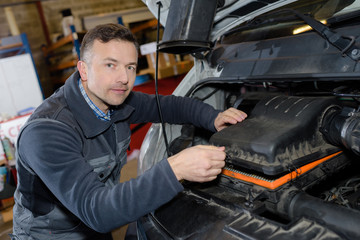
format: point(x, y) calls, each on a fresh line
point(280, 164)
point(292, 167)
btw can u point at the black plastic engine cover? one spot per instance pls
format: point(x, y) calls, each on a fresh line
point(281, 134)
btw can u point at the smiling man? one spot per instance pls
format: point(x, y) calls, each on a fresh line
point(73, 147)
point(108, 72)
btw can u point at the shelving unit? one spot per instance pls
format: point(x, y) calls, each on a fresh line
point(170, 65)
point(10, 48)
point(20, 86)
point(16, 45)
point(62, 56)
point(20, 90)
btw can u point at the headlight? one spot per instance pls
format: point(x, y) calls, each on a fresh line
point(152, 149)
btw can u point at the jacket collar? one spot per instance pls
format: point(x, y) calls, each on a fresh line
point(84, 115)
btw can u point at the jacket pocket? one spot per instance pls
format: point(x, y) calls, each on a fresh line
point(103, 166)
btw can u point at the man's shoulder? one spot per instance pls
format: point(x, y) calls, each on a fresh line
point(54, 107)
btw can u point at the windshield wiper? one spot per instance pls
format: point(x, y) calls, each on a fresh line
point(344, 17)
point(346, 44)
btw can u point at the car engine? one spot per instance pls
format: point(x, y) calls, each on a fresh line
point(288, 168)
point(292, 167)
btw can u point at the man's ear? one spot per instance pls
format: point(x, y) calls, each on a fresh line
point(82, 67)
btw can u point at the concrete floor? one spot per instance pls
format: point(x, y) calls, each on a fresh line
point(129, 171)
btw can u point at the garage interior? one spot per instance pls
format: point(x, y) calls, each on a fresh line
point(39, 51)
point(290, 171)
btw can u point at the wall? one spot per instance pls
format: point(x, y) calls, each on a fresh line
point(28, 21)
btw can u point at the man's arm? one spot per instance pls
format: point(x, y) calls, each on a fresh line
point(53, 151)
point(198, 164)
point(175, 110)
point(229, 117)
point(204, 163)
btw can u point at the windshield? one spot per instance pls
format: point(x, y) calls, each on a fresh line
point(282, 22)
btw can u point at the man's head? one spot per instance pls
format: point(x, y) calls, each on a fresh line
point(105, 33)
point(108, 64)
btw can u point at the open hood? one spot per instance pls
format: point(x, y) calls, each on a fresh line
point(291, 168)
point(195, 24)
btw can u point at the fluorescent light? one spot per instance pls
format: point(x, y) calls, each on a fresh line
point(305, 28)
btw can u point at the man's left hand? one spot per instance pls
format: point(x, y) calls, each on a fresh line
point(229, 117)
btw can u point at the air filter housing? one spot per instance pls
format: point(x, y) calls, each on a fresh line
point(281, 134)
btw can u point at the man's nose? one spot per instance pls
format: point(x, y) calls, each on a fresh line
point(122, 76)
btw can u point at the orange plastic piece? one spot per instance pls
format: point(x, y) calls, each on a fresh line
point(282, 180)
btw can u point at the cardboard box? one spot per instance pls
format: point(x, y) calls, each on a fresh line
point(169, 64)
point(11, 129)
point(165, 60)
point(174, 70)
point(149, 50)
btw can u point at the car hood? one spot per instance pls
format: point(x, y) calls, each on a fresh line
point(304, 57)
point(249, 9)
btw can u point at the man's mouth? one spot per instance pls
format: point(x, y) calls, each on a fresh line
point(119, 90)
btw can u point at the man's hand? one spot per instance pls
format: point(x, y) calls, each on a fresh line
point(230, 116)
point(199, 163)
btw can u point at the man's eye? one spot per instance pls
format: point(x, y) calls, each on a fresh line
point(110, 65)
point(133, 68)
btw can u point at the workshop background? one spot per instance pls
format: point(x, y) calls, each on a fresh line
point(39, 48)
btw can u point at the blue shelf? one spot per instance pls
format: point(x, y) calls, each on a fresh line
point(17, 45)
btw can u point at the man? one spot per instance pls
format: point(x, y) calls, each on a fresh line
point(71, 151)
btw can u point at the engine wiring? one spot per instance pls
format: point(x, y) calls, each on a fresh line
point(341, 194)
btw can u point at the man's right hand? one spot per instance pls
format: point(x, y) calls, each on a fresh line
point(199, 163)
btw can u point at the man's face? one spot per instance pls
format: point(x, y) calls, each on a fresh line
point(109, 74)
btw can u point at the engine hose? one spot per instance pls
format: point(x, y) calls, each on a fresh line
point(340, 219)
point(342, 128)
point(350, 134)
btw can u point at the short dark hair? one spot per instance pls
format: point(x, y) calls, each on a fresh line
point(105, 33)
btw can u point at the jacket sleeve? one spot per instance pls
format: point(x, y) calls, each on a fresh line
point(175, 110)
point(53, 151)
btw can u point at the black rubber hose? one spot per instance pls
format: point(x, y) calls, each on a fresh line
point(341, 219)
point(342, 128)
